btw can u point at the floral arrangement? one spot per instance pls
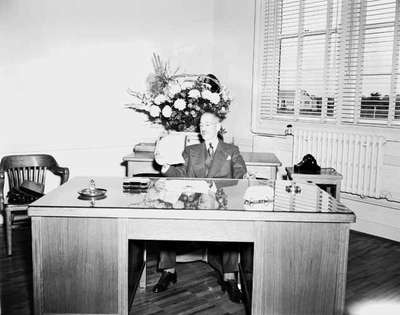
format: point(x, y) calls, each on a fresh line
point(177, 100)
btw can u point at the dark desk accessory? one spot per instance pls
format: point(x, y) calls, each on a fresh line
point(308, 165)
point(136, 184)
point(91, 192)
point(27, 192)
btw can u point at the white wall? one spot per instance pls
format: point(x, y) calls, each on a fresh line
point(233, 62)
point(65, 66)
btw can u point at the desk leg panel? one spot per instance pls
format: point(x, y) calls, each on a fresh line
point(300, 268)
point(79, 265)
point(37, 266)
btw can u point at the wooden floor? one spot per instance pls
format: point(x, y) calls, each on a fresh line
point(373, 275)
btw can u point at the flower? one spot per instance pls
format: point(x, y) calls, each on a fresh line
point(166, 111)
point(180, 104)
point(159, 99)
point(224, 94)
point(174, 88)
point(177, 101)
point(214, 98)
point(194, 93)
point(154, 111)
point(206, 94)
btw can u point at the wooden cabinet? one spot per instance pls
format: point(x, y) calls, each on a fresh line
point(329, 180)
point(261, 164)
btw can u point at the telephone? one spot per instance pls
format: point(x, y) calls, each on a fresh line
point(308, 165)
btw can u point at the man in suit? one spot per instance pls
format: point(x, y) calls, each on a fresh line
point(210, 159)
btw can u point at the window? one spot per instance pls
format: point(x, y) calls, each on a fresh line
point(328, 61)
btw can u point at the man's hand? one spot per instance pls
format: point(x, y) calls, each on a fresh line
point(165, 168)
point(249, 176)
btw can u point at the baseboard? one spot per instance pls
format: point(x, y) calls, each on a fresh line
point(374, 218)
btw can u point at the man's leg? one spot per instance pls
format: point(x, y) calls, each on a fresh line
point(224, 258)
point(167, 266)
point(230, 258)
point(167, 259)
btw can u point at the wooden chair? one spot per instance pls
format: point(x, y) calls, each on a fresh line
point(20, 168)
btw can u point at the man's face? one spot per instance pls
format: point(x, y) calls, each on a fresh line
point(209, 126)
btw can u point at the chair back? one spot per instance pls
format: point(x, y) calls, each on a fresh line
point(30, 167)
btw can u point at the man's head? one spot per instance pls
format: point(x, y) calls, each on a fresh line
point(209, 126)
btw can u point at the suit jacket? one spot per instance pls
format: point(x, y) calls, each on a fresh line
point(226, 162)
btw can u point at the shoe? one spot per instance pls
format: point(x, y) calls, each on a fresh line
point(163, 282)
point(231, 286)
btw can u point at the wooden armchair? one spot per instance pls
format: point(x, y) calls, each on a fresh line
point(21, 168)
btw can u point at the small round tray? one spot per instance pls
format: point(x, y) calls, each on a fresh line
point(91, 198)
point(92, 193)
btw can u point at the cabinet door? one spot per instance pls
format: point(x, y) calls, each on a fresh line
point(78, 266)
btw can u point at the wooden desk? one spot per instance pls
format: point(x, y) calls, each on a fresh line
point(328, 179)
point(263, 165)
point(80, 249)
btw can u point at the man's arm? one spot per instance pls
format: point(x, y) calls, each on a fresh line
point(238, 165)
point(178, 170)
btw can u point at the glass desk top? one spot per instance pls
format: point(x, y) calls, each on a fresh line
point(193, 194)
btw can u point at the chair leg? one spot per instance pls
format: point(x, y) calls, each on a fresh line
point(8, 219)
point(143, 280)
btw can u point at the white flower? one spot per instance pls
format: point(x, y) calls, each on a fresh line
point(215, 98)
point(167, 111)
point(206, 94)
point(194, 93)
point(223, 109)
point(224, 95)
point(159, 99)
point(154, 111)
point(180, 104)
point(173, 89)
point(187, 85)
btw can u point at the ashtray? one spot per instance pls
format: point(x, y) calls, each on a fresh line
point(97, 193)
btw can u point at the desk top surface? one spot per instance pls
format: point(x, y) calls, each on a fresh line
point(179, 198)
point(251, 158)
point(326, 172)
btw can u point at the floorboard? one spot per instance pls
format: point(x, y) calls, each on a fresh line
point(373, 275)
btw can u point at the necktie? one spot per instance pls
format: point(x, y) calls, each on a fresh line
point(208, 161)
point(210, 150)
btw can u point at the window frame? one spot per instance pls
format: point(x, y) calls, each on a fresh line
point(267, 14)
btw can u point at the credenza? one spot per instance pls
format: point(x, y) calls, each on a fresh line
point(260, 164)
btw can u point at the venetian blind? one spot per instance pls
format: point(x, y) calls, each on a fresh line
point(327, 60)
point(298, 76)
point(371, 89)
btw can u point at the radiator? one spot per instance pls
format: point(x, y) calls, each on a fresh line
point(357, 157)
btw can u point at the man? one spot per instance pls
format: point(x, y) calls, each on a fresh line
point(210, 159)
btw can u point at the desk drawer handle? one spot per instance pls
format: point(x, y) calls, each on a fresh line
point(293, 188)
